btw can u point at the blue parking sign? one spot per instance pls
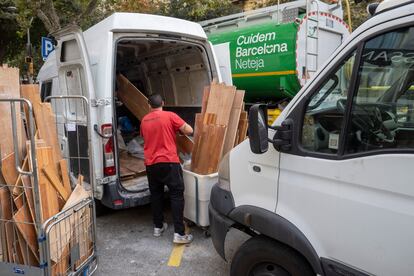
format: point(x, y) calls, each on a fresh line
point(47, 47)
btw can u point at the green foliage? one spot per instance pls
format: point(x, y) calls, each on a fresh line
point(8, 29)
point(197, 10)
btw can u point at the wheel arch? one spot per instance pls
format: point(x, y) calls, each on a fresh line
point(278, 228)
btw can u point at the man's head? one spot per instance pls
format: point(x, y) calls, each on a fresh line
point(155, 101)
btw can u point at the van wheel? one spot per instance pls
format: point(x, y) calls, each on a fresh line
point(261, 256)
point(100, 209)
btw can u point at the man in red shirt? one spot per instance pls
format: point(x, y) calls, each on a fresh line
point(159, 129)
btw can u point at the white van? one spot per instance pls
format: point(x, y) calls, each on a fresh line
point(334, 192)
point(157, 54)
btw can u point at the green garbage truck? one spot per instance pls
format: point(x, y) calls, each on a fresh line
point(272, 52)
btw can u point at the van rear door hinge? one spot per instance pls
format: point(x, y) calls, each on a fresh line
point(100, 102)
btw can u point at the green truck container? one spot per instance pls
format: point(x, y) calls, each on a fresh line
point(272, 52)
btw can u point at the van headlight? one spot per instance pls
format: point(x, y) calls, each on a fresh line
point(224, 173)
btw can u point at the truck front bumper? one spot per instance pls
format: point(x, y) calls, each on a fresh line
point(221, 203)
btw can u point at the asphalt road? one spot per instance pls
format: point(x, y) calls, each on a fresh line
point(126, 246)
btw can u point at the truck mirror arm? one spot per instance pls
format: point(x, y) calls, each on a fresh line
point(283, 136)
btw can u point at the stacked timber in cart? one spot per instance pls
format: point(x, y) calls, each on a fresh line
point(218, 128)
point(22, 212)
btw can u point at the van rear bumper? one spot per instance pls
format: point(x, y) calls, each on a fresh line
point(221, 203)
point(116, 199)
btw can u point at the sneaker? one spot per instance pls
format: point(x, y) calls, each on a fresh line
point(158, 231)
point(182, 239)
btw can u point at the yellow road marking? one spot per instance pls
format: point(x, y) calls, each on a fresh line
point(176, 255)
point(261, 74)
point(177, 252)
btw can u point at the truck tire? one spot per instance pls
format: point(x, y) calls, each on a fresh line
point(263, 256)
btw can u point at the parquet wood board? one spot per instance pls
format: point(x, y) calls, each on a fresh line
point(210, 149)
point(6, 215)
point(65, 175)
point(233, 121)
point(28, 231)
point(55, 181)
point(8, 169)
point(220, 102)
point(48, 196)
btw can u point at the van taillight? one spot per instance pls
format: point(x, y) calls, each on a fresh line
point(108, 148)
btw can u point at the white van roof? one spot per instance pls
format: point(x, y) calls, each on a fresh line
point(148, 23)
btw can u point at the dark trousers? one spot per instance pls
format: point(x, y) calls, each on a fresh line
point(169, 174)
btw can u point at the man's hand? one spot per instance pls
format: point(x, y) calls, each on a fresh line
point(186, 129)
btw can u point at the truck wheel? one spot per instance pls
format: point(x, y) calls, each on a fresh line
point(262, 256)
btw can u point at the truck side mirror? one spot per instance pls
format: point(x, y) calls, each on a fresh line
point(258, 136)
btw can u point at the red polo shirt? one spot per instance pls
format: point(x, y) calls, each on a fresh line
point(159, 129)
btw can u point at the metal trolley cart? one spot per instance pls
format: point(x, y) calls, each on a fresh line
point(33, 241)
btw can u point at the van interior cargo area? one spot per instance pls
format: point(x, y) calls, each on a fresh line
point(176, 70)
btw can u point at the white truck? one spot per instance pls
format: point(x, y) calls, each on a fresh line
point(158, 55)
point(333, 194)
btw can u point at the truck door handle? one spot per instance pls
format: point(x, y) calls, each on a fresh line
point(257, 168)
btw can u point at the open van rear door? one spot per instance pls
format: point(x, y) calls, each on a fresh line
point(73, 114)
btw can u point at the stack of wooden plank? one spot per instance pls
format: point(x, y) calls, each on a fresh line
point(218, 128)
point(18, 218)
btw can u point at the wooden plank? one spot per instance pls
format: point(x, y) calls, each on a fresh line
point(9, 240)
point(243, 125)
point(18, 252)
point(19, 200)
point(9, 88)
point(210, 149)
point(8, 169)
point(48, 196)
point(55, 181)
point(28, 189)
point(201, 121)
point(65, 175)
point(209, 118)
point(31, 92)
point(206, 93)
point(233, 122)
point(28, 256)
point(131, 163)
point(197, 135)
point(220, 102)
point(63, 232)
point(137, 103)
point(6, 215)
point(46, 124)
point(133, 99)
point(24, 224)
point(184, 144)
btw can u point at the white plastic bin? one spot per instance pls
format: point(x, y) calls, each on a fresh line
point(197, 195)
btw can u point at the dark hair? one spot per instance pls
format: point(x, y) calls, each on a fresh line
point(155, 100)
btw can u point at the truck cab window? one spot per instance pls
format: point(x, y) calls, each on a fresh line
point(382, 115)
point(325, 111)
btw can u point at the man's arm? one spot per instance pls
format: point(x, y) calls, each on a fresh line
point(186, 129)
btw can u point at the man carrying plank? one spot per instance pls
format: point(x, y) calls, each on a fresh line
point(159, 129)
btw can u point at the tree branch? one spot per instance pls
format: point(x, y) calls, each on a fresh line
point(89, 9)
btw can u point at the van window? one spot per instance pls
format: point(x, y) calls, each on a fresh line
point(45, 90)
point(382, 115)
point(322, 123)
